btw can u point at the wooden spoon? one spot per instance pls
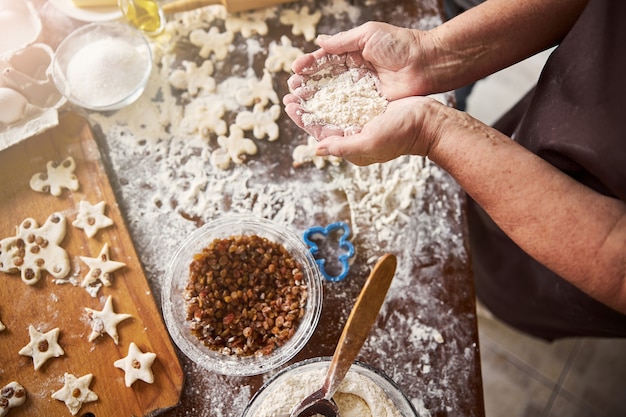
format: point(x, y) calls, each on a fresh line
point(361, 319)
point(231, 5)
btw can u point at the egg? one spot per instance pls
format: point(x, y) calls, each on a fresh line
point(12, 106)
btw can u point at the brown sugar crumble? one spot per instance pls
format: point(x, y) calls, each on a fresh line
point(245, 295)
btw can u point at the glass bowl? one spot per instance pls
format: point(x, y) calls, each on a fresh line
point(102, 66)
point(175, 302)
point(294, 383)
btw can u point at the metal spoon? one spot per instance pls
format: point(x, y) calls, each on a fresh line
point(361, 319)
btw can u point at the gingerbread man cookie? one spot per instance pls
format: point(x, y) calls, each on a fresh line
point(193, 78)
point(204, 115)
point(42, 346)
point(136, 365)
point(35, 248)
point(262, 122)
point(258, 91)
point(302, 22)
point(304, 154)
point(11, 395)
point(249, 23)
point(282, 55)
point(232, 148)
point(57, 177)
point(212, 42)
point(75, 392)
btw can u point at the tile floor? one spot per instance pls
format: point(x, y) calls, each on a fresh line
point(524, 376)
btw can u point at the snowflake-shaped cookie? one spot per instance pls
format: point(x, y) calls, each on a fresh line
point(212, 42)
point(57, 177)
point(193, 78)
point(304, 154)
point(42, 346)
point(281, 56)
point(232, 148)
point(105, 321)
point(204, 115)
point(303, 22)
point(262, 122)
point(75, 392)
point(35, 248)
point(249, 23)
point(12, 395)
point(136, 365)
point(100, 268)
point(91, 218)
point(258, 91)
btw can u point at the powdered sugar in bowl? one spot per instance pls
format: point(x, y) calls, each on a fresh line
point(102, 66)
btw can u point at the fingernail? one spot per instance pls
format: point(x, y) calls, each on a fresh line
point(321, 151)
point(322, 37)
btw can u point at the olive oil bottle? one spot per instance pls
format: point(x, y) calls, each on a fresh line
point(144, 15)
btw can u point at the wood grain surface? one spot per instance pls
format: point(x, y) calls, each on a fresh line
point(48, 305)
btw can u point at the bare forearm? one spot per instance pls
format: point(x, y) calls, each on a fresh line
point(576, 232)
point(495, 35)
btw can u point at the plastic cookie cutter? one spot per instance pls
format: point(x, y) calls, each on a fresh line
point(344, 245)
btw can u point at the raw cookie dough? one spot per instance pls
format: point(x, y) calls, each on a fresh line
point(11, 395)
point(282, 55)
point(75, 392)
point(262, 122)
point(42, 346)
point(304, 154)
point(100, 268)
point(57, 177)
point(35, 248)
point(232, 148)
point(302, 22)
point(105, 321)
point(91, 218)
point(136, 365)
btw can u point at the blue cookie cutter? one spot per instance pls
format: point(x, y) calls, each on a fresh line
point(344, 258)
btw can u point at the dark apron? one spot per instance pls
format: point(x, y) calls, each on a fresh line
point(574, 119)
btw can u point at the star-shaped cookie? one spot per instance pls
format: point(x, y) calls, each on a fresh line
point(105, 321)
point(100, 268)
point(136, 365)
point(91, 218)
point(42, 346)
point(75, 392)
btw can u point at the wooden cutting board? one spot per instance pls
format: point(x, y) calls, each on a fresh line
point(48, 305)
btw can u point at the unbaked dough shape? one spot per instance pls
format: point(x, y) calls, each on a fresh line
point(42, 346)
point(105, 321)
point(12, 395)
point(258, 91)
point(100, 268)
point(193, 78)
point(91, 218)
point(204, 115)
point(136, 365)
point(57, 177)
point(75, 392)
point(305, 154)
point(212, 42)
point(281, 55)
point(34, 249)
point(249, 23)
point(232, 148)
point(261, 122)
point(302, 22)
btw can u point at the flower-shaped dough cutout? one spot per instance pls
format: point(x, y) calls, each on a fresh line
point(262, 122)
point(305, 153)
point(212, 42)
point(42, 346)
point(136, 365)
point(303, 22)
point(344, 245)
point(35, 248)
point(100, 268)
point(282, 55)
point(193, 78)
point(209, 111)
point(75, 392)
point(258, 91)
point(91, 218)
point(57, 177)
point(12, 395)
point(232, 148)
point(105, 321)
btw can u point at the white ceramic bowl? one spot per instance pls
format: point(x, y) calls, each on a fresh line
point(102, 66)
point(276, 389)
point(175, 306)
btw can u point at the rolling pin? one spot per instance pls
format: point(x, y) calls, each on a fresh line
point(231, 5)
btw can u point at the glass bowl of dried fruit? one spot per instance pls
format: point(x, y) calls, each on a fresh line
point(242, 295)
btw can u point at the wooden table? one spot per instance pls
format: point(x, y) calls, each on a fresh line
point(426, 337)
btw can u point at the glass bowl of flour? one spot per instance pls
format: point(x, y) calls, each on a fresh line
point(365, 392)
point(102, 66)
